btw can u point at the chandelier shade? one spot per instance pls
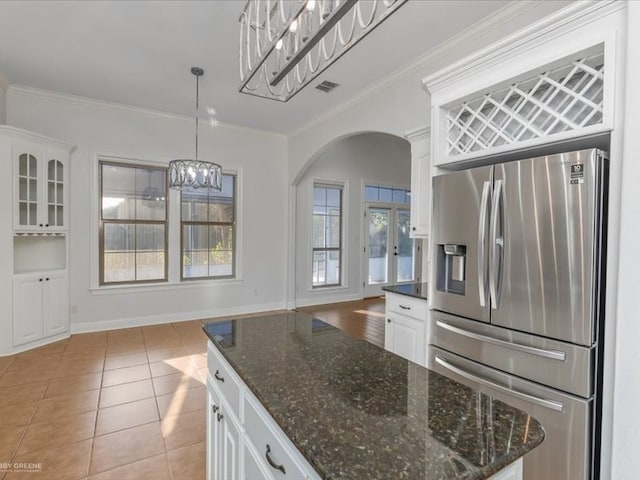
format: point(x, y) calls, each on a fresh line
point(195, 173)
point(285, 44)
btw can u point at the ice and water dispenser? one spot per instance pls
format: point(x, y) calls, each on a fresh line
point(451, 268)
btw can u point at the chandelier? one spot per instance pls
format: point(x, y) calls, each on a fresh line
point(195, 173)
point(284, 44)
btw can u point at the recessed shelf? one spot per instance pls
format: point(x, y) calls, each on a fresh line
point(39, 253)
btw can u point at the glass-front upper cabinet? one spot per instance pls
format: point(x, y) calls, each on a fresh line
point(41, 197)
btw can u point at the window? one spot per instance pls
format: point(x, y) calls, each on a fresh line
point(208, 231)
point(327, 235)
point(133, 223)
point(386, 194)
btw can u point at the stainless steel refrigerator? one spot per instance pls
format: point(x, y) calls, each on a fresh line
point(518, 296)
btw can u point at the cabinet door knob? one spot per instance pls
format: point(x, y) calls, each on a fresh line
point(41, 225)
point(220, 417)
point(215, 408)
point(47, 279)
point(47, 225)
point(388, 320)
point(272, 463)
point(39, 279)
point(413, 228)
point(218, 376)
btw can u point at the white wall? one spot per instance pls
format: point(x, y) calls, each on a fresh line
point(3, 103)
point(626, 414)
point(369, 157)
point(102, 129)
point(400, 103)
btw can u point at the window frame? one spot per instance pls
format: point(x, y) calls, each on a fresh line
point(101, 224)
point(234, 245)
point(340, 249)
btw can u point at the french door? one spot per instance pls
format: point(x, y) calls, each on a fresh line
point(390, 256)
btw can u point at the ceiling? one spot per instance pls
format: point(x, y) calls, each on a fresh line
point(140, 52)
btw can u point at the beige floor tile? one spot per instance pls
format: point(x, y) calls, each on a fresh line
point(166, 353)
point(125, 393)
point(64, 463)
point(9, 440)
point(197, 348)
point(27, 376)
point(199, 360)
point(5, 362)
point(41, 436)
point(154, 468)
point(18, 414)
point(79, 366)
point(171, 366)
point(188, 463)
point(73, 385)
point(184, 430)
point(175, 382)
point(127, 415)
point(126, 446)
point(182, 401)
point(30, 362)
point(66, 405)
point(21, 394)
point(124, 348)
point(56, 347)
point(167, 343)
point(125, 375)
point(122, 361)
point(158, 331)
point(124, 334)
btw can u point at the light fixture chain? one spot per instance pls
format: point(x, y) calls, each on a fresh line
point(197, 110)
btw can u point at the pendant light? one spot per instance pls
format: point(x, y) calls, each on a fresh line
point(195, 173)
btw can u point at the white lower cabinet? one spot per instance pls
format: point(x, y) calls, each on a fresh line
point(405, 327)
point(40, 306)
point(243, 440)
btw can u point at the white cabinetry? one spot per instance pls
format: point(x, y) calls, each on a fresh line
point(34, 291)
point(40, 306)
point(420, 182)
point(41, 187)
point(405, 327)
point(243, 440)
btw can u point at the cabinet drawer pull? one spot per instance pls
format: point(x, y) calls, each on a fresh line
point(404, 307)
point(218, 376)
point(220, 417)
point(272, 463)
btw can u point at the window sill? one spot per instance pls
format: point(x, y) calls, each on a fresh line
point(163, 287)
point(328, 289)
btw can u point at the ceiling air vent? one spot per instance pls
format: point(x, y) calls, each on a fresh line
point(326, 86)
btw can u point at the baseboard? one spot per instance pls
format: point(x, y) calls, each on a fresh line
point(321, 300)
point(87, 327)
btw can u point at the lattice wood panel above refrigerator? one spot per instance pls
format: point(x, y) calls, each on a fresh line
point(557, 100)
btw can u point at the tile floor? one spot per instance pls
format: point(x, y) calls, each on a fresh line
point(124, 404)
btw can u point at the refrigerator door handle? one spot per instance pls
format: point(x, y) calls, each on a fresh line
point(543, 402)
point(540, 352)
point(482, 245)
point(495, 258)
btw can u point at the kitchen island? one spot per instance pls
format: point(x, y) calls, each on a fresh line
point(316, 403)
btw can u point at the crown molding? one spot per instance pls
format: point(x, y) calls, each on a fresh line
point(573, 16)
point(93, 102)
point(418, 134)
point(4, 83)
point(26, 134)
point(467, 36)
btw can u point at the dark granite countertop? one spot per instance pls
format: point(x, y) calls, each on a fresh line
point(356, 411)
point(418, 290)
